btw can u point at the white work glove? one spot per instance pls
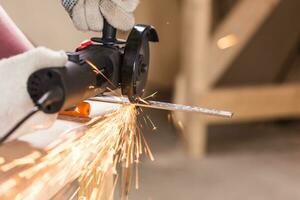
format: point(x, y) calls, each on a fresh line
point(15, 101)
point(87, 15)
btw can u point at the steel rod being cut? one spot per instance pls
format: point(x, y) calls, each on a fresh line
point(164, 106)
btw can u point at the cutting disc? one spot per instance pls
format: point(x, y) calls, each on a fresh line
point(136, 60)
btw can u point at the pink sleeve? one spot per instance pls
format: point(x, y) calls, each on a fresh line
point(12, 40)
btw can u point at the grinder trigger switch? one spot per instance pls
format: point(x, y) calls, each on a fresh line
point(85, 44)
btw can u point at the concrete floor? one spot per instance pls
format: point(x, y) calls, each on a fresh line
point(250, 161)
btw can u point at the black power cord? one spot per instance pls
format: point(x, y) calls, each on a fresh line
point(20, 123)
point(48, 99)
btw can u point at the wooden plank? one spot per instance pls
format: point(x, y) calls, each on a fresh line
point(254, 103)
point(250, 104)
point(196, 26)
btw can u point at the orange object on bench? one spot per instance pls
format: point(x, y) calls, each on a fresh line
point(81, 110)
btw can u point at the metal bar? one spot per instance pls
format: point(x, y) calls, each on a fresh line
point(164, 106)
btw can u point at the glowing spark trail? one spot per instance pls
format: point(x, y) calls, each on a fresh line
point(91, 153)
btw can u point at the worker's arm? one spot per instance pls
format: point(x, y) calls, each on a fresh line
point(15, 68)
point(88, 15)
point(12, 40)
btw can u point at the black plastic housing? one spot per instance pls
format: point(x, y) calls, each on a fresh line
point(78, 80)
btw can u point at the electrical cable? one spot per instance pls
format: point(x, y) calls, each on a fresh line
point(20, 123)
point(49, 98)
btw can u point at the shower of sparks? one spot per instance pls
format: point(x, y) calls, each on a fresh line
point(91, 153)
point(98, 72)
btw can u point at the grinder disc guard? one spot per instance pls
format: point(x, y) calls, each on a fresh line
point(134, 71)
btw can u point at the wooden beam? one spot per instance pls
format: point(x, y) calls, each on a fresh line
point(196, 25)
point(254, 103)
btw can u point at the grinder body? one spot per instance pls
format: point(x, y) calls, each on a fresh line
point(94, 68)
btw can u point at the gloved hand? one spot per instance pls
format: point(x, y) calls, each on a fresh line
point(15, 101)
point(87, 15)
